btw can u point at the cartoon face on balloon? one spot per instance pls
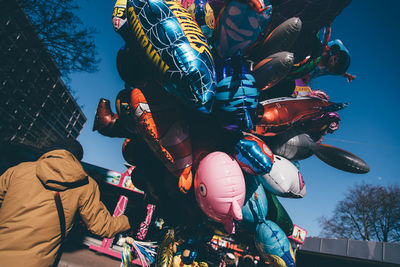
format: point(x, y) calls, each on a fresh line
point(238, 27)
point(220, 189)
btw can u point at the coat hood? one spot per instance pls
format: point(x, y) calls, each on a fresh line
point(59, 170)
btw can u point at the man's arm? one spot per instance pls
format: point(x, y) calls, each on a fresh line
point(96, 216)
point(4, 182)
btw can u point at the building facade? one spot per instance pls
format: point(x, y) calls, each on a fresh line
point(36, 107)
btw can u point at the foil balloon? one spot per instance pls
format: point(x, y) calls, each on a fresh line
point(147, 126)
point(255, 207)
point(340, 159)
point(334, 60)
point(238, 27)
point(281, 114)
point(284, 179)
point(107, 122)
point(314, 14)
point(327, 123)
point(282, 38)
point(136, 152)
point(187, 3)
point(270, 240)
point(132, 74)
point(205, 141)
point(203, 14)
point(237, 96)
point(272, 55)
point(164, 130)
point(301, 89)
point(269, 71)
point(217, 6)
point(220, 189)
point(339, 53)
point(278, 214)
point(176, 49)
point(124, 108)
point(165, 249)
point(253, 155)
point(273, 245)
point(292, 145)
point(118, 124)
point(260, 204)
point(119, 19)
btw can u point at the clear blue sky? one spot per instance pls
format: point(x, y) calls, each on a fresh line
point(369, 126)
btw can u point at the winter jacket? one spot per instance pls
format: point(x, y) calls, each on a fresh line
point(29, 223)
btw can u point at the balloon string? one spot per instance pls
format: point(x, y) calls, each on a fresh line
point(126, 258)
point(140, 255)
point(361, 143)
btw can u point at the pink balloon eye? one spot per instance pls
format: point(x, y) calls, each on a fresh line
point(203, 190)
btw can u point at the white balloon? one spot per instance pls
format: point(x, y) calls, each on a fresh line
point(284, 179)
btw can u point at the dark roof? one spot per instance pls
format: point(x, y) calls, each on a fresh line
point(368, 252)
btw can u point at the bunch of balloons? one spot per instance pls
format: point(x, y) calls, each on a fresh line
point(219, 92)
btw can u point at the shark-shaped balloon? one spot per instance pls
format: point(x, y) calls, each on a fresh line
point(296, 145)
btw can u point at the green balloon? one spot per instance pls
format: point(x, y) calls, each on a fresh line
point(278, 214)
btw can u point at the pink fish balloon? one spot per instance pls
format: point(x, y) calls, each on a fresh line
point(220, 189)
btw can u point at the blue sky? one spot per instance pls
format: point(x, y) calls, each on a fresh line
point(369, 126)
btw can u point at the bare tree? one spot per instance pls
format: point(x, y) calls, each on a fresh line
point(69, 42)
point(368, 212)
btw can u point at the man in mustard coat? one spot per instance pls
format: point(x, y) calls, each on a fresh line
point(30, 232)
